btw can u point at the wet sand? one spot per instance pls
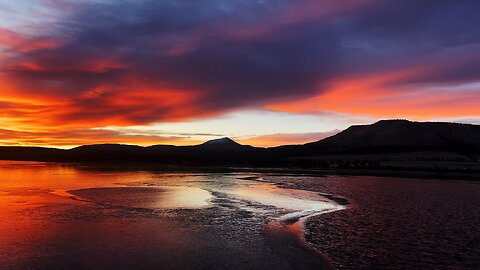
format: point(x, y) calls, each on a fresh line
point(132, 225)
point(395, 223)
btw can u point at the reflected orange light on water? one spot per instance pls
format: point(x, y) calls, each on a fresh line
point(40, 221)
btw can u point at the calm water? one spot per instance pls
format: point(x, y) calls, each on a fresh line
point(57, 216)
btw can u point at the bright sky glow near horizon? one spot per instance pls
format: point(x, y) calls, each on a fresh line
point(265, 72)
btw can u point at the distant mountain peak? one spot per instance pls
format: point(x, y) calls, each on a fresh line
point(221, 141)
point(223, 144)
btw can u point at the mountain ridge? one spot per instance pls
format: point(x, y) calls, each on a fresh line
point(381, 138)
point(402, 135)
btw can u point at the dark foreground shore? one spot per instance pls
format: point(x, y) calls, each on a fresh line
point(395, 223)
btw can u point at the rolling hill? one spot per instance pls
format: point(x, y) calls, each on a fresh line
point(401, 139)
point(402, 136)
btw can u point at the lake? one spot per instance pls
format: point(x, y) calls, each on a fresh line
point(60, 216)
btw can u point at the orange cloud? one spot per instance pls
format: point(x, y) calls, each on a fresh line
point(392, 94)
point(106, 105)
point(76, 137)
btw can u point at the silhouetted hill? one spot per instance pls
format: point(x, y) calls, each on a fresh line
point(369, 146)
point(223, 151)
point(31, 153)
point(107, 152)
point(219, 151)
point(222, 144)
point(402, 136)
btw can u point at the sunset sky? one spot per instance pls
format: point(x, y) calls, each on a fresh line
point(263, 72)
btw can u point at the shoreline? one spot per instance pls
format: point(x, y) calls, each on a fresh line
point(406, 173)
point(286, 229)
point(402, 172)
point(294, 224)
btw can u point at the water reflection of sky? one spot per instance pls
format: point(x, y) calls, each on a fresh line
point(40, 219)
point(174, 190)
point(296, 200)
